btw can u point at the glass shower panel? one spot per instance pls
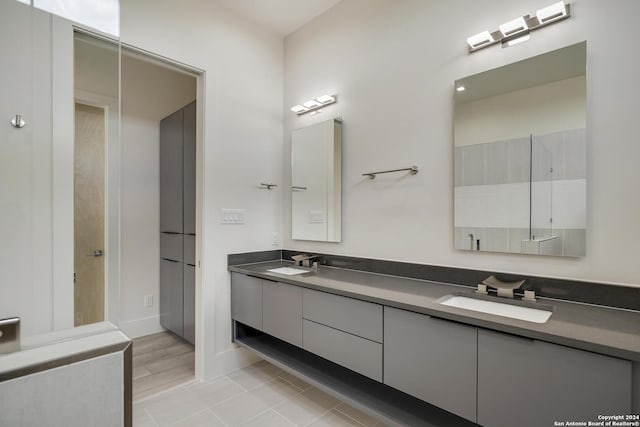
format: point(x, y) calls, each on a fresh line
point(25, 167)
point(37, 164)
point(541, 188)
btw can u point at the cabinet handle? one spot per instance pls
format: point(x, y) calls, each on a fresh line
point(170, 260)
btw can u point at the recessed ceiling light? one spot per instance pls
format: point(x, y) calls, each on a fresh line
point(460, 88)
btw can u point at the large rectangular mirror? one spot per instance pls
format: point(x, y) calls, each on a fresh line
point(316, 165)
point(520, 156)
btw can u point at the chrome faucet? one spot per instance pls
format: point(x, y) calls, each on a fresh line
point(300, 259)
point(502, 287)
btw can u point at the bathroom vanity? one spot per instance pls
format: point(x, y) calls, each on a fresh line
point(386, 345)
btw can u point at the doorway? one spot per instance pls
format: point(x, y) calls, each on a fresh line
point(89, 214)
point(158, 264)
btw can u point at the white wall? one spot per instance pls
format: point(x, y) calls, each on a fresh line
point(149, 93)
point(393, 64)
point(242, 143)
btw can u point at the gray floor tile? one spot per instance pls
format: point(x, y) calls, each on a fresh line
point(295, 381)
point(335, 419)
point(245, 406)
point(173, 406)
point(357, 415)
point(269, 418)
point(214, 392)
point(239, 409)
point(204, 418)
point(141, 418)
point(307, 406)
point(256, 375)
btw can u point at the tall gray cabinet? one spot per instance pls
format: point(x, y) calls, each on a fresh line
point(178, 221)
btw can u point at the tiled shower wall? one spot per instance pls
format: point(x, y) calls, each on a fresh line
point(492, 192)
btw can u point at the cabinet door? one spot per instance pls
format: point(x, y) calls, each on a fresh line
point(171, 246)
point(189, 280)
point(431, 359)
point(189, 169)
point(533, 383)
point(171, 173)
point(246, 300)
point(282, 311)
point(189, 252)
point(171, 296)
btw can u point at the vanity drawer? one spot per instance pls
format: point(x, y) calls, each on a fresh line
point(352, 352)
point(356, 317)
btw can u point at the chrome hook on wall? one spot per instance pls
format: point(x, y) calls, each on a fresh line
point(18, 122)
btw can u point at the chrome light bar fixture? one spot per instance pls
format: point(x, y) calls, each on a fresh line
point(313, 106)
point(517, 30)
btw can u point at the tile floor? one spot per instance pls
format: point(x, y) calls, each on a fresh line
point(160, 361)
point(261, 395)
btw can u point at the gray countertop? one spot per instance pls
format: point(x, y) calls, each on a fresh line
point(611, 331)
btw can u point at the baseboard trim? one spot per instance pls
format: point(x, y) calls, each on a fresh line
point(141, 327)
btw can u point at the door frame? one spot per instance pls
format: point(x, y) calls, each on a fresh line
point(200, 76)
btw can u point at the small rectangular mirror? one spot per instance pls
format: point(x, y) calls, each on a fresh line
point(316, 169)
point(520, 156)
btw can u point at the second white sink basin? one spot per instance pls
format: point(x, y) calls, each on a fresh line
point(289, 271)
point(499, 309)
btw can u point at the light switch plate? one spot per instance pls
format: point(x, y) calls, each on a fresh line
point(148, 300)
point(316, 217)
point(233, 216)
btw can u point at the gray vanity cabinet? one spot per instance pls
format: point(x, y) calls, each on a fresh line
point(532, 383)
point(344, 330)
point(246, 300)
point(431, 359)
point(172, 297)
point(189, 293)
point(171, 179)
point(189, 169)
point(360, 318)
point(282, 311)
point(177, 221)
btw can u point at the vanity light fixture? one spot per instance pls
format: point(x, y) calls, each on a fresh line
point(552, 13)
point(513, 27)
point(517, 30)
point(313, 105)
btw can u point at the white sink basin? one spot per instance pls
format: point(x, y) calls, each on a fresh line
point(288, 271)
point(499, 309)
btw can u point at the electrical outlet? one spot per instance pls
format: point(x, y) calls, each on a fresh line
point(148, 300)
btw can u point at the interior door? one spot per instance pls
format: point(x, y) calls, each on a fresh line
point(89, 212)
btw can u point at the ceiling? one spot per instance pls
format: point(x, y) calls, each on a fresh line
point(279, 16)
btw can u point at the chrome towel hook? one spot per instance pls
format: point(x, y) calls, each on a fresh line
point(18, 122)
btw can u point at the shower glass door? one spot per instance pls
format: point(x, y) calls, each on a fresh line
point(37, 96)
